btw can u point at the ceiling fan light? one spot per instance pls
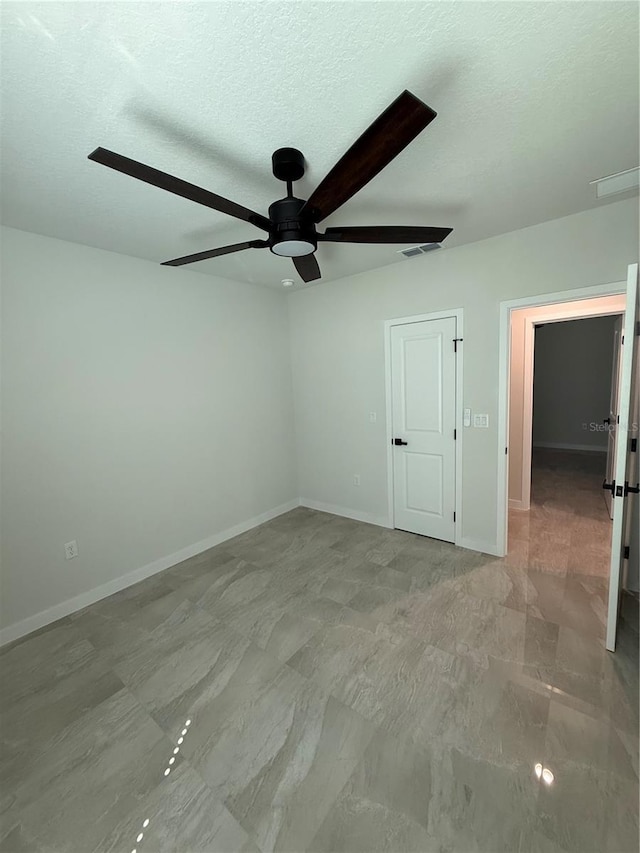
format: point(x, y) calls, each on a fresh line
point(293, 248)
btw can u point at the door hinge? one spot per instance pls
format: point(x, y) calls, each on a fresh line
point(633, 448)
point(506, 451)
point(455, 434)
point(626, 552)
point(454, 516)
point(638, 328)
point(455, 343)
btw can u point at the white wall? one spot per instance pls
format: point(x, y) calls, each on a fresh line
point(145, 409)
point(338, 351)
point(572, 382)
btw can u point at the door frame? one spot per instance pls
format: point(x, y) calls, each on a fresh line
point(457, 314)
point(624, 458)
point(504, 358)
point(615, 385)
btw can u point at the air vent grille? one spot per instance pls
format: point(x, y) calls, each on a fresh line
point(412, 251)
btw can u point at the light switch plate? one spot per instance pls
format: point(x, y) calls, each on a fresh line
point(466, 417)
point(481, 421)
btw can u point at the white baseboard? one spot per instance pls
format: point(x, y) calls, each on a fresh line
point(552, 445)
point(383, 521)
point(519, 505)
point(71, 605)
point(346, 512)
point(480, 545)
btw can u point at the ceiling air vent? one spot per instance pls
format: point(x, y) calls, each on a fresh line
point(419, 250)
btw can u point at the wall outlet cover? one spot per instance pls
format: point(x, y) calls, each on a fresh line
point(71, 549)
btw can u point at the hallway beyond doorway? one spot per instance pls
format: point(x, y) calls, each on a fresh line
point(567, 529)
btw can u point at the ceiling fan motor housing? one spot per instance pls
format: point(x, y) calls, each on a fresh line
point(291, 235)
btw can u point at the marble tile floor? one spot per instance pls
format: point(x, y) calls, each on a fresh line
point(568, 528)
point(325, 685)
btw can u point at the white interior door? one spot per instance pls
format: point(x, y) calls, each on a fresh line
point(628, 375)
point(612, 416)
point(423, 388)
point(631, 566)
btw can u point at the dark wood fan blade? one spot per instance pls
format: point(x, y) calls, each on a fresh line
point(389, 134)
point(386, 234)
point(307, 267)
point(177, 186)
point(215, 253)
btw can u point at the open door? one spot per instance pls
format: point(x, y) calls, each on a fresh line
point(611, 420)
point(619, 486)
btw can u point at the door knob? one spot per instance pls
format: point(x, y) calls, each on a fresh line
point(399, 441)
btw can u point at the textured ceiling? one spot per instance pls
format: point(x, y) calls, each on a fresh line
point(534, 100)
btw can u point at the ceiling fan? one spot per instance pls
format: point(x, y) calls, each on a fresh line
point(291, 224)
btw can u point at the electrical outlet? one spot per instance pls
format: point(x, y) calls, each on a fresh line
point(356, 479)
point(71, 549)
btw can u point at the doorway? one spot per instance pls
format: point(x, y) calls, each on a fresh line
point(567, 527)
point(523, 322)
point(512, 465)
